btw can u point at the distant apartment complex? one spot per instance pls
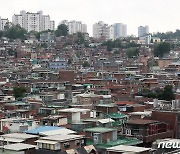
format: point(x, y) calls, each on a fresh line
point(3, 23)
point(33, 21)
point(100, 30)
point(143, 30)
point(75, 26)
point(114, 31)
point(118, 30)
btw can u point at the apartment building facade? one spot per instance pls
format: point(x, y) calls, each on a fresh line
point(75, 26)
point(143, 31)
point(100, 30)
point(33, 21)
point(3, 23)
point(117, 30)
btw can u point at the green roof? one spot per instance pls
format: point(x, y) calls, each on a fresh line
point(120, 141)
point(99, 130)
point(117, 115)
point(88, 84)
point(18, 103)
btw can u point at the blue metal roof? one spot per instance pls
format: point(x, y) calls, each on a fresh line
point(42, 129)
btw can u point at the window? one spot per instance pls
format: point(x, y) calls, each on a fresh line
point(48, 146)
point(40, 145)
point(128, 132)
point(66, 145)
point(77, 142)
point(52, 147)
point(44, 145)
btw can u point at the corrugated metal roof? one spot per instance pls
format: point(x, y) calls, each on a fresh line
point(42, 129)
point(19, 147)
point(63, 131)
point(13, 140)
point(46, 141)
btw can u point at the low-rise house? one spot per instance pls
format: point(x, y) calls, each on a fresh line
point(54, 120)
point(60, 142)
point(18, 138)
point(12, 125)
point(87, 98)
point(101, 134)
point(147, 130)
point(123, 149)
point(58, 64)
point(104, 138)
point(119, 119)
point(139, 115)
point(18, 148)
point(75, 115)
point(106, 108)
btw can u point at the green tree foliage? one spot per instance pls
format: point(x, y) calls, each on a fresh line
point(15, 32)
point(161, 49)
point(163, 94)
point(19, 92)
point(113, 44)
point(37, 34)
point(86, 64)
point(117, 52)
point(82, 40)
point(167, 93)
point(169, 35)
point(1, 34)
point(119, 44)
point(132, 52)
point(70, 61)
point(11, 52)
point(62, 30)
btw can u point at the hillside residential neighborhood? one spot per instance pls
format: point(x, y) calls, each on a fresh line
point(65, 92)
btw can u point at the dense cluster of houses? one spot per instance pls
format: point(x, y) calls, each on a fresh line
point(70, 108)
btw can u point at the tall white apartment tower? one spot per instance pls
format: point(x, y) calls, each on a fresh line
point(33, 21)
point(3, 23)
point(143, 31)
point(75, 26)
point(100, 30)
point(117, 30)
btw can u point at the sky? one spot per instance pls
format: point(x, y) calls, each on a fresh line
point(159, 15)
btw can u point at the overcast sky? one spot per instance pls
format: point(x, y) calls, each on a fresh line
point(160, 15)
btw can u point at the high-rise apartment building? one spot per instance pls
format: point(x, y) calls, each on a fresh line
point(117, 30)
point(75, 26)
point(3, 23)
point(33, 21)
point(100, 30)
point(143, 31)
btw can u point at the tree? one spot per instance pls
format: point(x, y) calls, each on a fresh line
point(167, 93)
point(11, 52)
point(131, 52)
point(86, 64)
point(19, 92)
point(117, 52)
point(112, 44)
point(168, 35)
point(163, 94)
point(1, 34)
point(62, 30)
point(161, 49)
point(82, 40)
point(15, 32)
point(70, 61)
point(119, 44)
